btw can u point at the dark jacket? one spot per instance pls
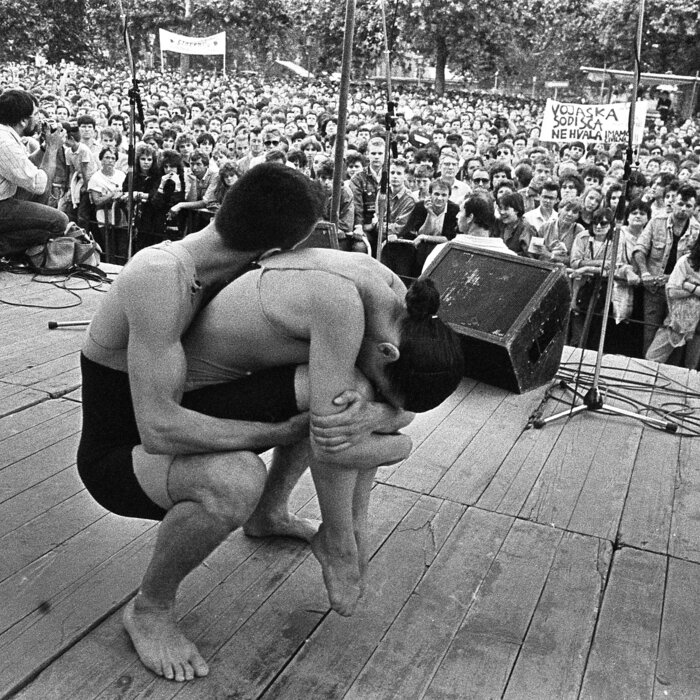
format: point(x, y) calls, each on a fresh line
point(419, 215)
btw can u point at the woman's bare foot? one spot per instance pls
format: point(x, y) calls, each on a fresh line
point(160, 645)
point(283, 525)
point(341, 573)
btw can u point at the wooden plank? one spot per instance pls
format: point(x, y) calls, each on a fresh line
point(16, 398)
point(424, 424)
point(47, 577)
point(511, 485)
point(600, 503)
point(677, 670)
point(553, 656)
point(237, 576)
point(622, 659)
point(12, 427)
point(240, 575)
point(555, 492)
point(246, 664)
point(426, 465)
point(406, 657)
point(481, 655)
point(685, 528)
point(60, 442)
point(247, 587)
point(646, 519)
point(61, 373)
point(475, 467)
point(32, 502)
point(342, 647)
point(47, 531)
point(44, 635)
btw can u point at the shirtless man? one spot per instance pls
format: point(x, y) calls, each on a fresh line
point(134, 371)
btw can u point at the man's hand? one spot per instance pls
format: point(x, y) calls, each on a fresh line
point(360, 418)
point(648, 280)
point(55, 138)
point(294, 429)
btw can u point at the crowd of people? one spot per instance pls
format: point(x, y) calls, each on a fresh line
point(549, 201)
point(222, 338)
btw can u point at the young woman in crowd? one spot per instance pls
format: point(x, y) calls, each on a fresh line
point(591, 200)
point(228, 173)
point(512, 228)
point(146, 183)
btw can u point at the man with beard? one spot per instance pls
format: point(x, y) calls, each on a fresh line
point(25, 181)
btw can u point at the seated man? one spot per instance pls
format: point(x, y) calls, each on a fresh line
point(133, 355)
point(24, 220)
point(431, 222)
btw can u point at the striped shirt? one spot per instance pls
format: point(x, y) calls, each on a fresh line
point(16, 170)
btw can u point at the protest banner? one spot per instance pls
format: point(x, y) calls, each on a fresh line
point(564, 121)
point(200, 46)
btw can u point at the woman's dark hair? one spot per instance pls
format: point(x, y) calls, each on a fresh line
point(272, 205)
point(637, 204)
point(514, 201)
point(174, 160)
point(431, 362)
point(227, 168)
point(109, 149)
point(576, 179)
point(143, 149)
point(600, 214)
point(615, 187)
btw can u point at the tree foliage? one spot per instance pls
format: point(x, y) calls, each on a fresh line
point(521, 39)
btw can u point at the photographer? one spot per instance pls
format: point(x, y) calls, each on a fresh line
point(24, 221)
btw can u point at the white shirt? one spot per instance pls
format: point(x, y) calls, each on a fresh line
point(537, 218)
point(483, 242)
point(16, 170)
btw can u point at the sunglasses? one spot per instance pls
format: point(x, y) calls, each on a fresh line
point(602, 223)
point(480, 180)
point(271, 143)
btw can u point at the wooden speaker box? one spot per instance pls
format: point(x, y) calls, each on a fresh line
point(511, 313)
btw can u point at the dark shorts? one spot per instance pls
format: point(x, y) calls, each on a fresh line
point(110, 432)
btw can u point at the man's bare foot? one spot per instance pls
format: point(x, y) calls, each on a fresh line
point(160, 645)
point(341, 574)
point(285, 525)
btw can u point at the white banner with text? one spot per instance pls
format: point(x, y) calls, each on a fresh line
point(200, 46)
point(567, 121)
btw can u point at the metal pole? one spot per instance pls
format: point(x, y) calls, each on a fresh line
point(343, 109)
point(619, 214)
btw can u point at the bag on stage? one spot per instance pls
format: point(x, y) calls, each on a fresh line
point(64, 254)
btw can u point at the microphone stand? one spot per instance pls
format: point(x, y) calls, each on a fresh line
point(383, 209)
point(135, 108)
point(593, 399)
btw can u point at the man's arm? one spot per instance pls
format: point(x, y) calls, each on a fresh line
point(157, 370)
point(46, 160)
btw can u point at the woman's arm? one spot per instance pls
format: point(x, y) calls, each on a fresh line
point(336, 333)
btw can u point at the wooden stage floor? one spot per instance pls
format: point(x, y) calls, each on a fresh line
point(508, 562)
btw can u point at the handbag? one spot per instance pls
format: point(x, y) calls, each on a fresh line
point(62, 255)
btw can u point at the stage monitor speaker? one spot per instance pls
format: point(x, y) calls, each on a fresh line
point(324, 235)
point(510, 312)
